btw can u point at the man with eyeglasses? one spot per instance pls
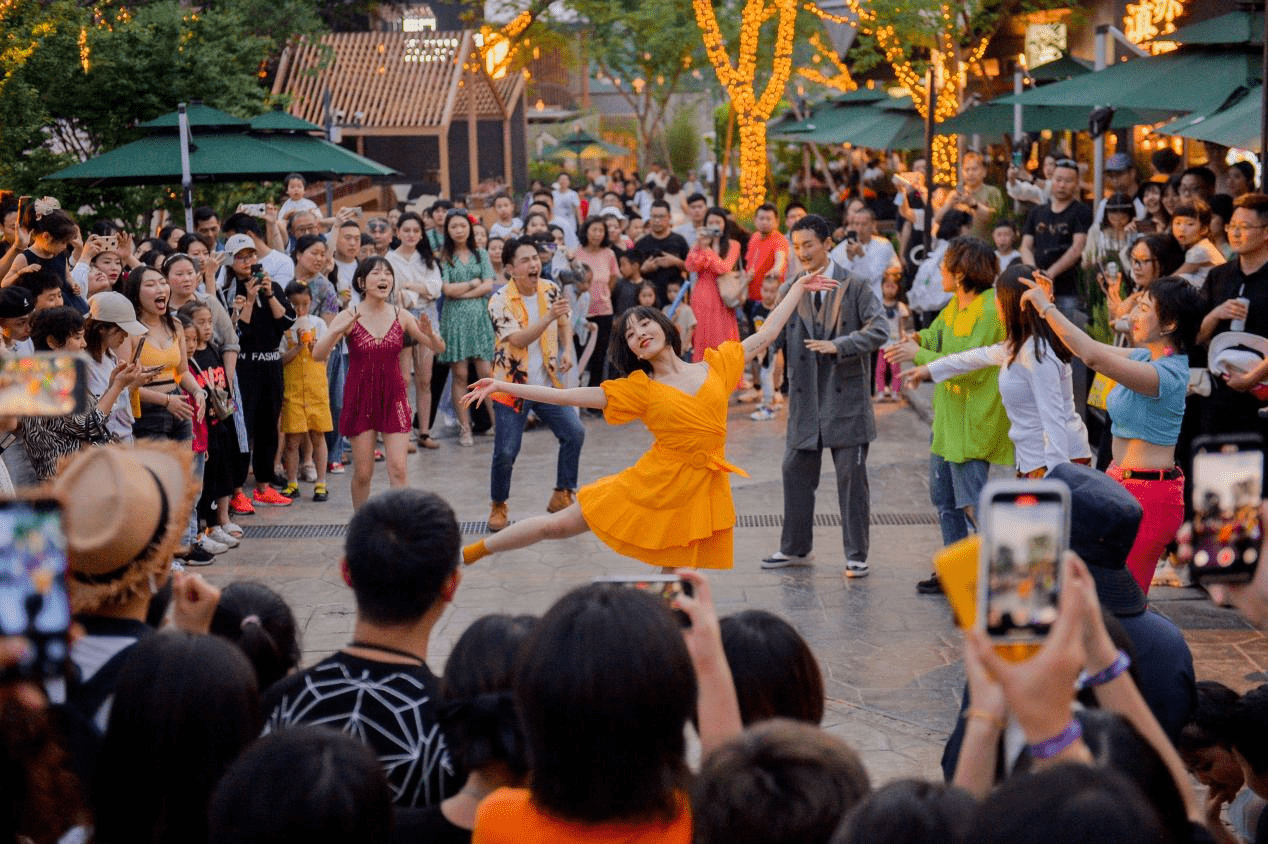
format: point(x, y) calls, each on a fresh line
point(1238, 290)
point(1053, 238)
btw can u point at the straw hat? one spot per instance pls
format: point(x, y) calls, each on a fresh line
point(125, 510)
point(1238, 351)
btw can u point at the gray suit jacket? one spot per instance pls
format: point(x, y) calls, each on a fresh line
point(829, 398)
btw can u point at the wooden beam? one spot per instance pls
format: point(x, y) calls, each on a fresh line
point(473, 154)
point(508, 164)
point(451, 98)
point(444, 166)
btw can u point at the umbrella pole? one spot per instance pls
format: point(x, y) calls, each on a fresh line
point(930, 130)
point(1263, 125)
point(187, 179)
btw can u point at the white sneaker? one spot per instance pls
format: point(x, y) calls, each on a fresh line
point(212, 546)
point(308, 473)
point(780, 560)
point(223, 536)
point(762, 414)
point(232, 529)
point(857, 568)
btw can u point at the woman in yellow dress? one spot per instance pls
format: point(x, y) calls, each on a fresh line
point(673, 507)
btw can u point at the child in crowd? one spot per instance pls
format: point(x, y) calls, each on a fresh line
point(635, 229)
point(576, 284)
point(306, 393)
point(766, 370)
point(198, 425)
point(1191, 225)
point(1005, 236)
point(208, 368)
point(295, 199)
point(507, 224)
point(625, 294)
point(898, 317)
point(683, 316)
point(647, 295)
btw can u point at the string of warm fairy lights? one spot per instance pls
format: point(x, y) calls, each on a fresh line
point(738, 78)
point(950, 73)
point(842, 80)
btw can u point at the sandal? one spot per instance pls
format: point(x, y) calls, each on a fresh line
point(379, 456)
point(465, 438)
point(426, 441)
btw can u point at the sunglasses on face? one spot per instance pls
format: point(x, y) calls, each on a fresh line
point(377, 227)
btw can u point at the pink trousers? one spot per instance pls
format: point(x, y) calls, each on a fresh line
point(1163, 503)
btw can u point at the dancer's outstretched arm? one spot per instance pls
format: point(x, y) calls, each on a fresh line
point(574, 397)
point(757, 342)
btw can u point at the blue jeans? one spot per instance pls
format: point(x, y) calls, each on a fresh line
point(563, 423)
point(952, 488)
point(336, 378)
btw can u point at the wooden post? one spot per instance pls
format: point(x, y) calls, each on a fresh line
point(446, 190)
point(473, 159)
point(508, 166)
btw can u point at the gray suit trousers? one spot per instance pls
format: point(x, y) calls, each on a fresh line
point(801, 480)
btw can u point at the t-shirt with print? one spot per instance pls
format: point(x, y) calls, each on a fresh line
point(389, 706)
point(209, 369)
point(1054, 234)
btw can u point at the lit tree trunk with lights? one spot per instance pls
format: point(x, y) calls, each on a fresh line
point(739, 79)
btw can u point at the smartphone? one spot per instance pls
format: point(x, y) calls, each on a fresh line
point(33, 599)
point(1228, 476)
point(665, 586)
point(254, 209)
point(112, 243)
point(1026, 529)
point(851, 237)
point(43, 384)
point(26, 212)
point(136, 352)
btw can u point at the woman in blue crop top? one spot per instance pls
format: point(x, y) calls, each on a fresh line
point(1145, 406)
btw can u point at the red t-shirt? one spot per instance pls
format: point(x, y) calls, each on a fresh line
point(761, 257)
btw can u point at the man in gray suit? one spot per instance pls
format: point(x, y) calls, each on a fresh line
point(828, 351)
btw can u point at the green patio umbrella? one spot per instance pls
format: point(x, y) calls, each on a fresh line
point(583, 145)
point(213, 157)
point(993, 120)
point(1187, 79)
point(890, 123)
point(1235, 124)
point(282, 121)
point(1238, 27)
point(201, 116)
point(1066, 67)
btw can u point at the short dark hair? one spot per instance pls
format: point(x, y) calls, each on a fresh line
point(366, 267)
point(775, 672)
point(302, 784)
point(1165, 160)
point(1257, 202)
point(203, 213)
point(402, 546)
point(621, 357)
point(209, 716)
point(1208, 725)
point(975, 260)
point(242, 223)
point(297, 288)
point(1005, 223)
point(952, 223)
point(794, 203)
point(697, 197)
point(290, 177)
point(779, 782)
point(190, 238)
point(605, 687)
point(815, 224)
point(1178, 302)
point(584, 228)
point(1248, 728)
point(477, 708)
point(261, 623)
point(1222, 205)
point(514, 244)
point(439, 205)
point(1194, 209)
point(56, 324)
point(909, 811)
point(306, 242)
point(660, 203)
point(767, 206)
point(1066, 804)
point(1204, 174)
point(38, 281)
point(1165, 249)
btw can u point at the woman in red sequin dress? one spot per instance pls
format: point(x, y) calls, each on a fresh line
point(374, 398)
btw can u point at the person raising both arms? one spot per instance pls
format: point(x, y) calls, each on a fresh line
point(673, 507)
point(374, 399)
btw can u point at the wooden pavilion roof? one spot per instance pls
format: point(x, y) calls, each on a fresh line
point(401, 83)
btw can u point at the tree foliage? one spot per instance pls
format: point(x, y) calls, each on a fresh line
point(75, 81)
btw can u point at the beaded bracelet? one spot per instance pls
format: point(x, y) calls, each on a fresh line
point(1048, 748)
point(1120, 664)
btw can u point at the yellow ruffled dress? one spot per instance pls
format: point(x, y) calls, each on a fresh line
point(673, 507)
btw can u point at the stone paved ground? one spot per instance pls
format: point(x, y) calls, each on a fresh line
point(890, 657)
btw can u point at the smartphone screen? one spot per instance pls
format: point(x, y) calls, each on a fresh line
point(33, 599)
point(1027, 530)
point(1228, 478)
point(43, 384)
point(667, 587)
point(136, 352)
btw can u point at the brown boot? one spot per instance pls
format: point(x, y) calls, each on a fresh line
point(497, 516)
point(562, 499)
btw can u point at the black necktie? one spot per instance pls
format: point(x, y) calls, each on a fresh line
point(818, 299)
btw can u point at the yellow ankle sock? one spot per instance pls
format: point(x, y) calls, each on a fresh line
point(474, 551)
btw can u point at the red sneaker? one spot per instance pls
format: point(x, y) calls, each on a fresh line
point(240, 505)
point(270, 497)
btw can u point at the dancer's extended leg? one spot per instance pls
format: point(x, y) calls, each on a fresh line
point(567, 522)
